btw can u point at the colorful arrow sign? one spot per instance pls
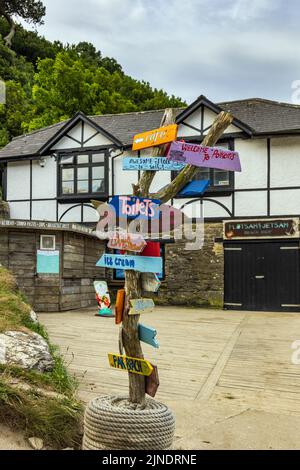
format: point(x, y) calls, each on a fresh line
point(151, 164)
point(160, 136)
point(119, 307)
point(150, 282)
point(210, 157)
point(143, 264)
point(126, 241)
point(132, 207)
point(148, 335)
point(139, 306)
point(130, 364)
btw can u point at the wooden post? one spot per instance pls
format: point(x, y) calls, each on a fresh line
point(133, 288)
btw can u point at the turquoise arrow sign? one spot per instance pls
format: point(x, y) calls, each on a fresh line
point(148, 335)
point(151, 164)
point(143, 264)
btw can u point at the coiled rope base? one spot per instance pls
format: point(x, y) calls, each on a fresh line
point(110, 424)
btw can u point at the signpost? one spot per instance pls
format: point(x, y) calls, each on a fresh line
point(130, 364)
point(160, 136)
point(132, 207)
point(139, 306)
point(142, 264)
point(148, 335)
point(151, 164)
point(126, 241)
point(139, 204)
point(202, 156)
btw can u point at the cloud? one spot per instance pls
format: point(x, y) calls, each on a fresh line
point(225, 49)
point(245, 10)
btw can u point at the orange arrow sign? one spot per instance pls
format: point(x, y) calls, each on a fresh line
point(160, 136)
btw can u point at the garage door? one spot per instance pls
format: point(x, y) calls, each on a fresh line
point(262, 276)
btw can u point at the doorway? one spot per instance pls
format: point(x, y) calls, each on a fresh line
point(262, 276)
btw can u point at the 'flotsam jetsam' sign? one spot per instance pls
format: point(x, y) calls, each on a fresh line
point(132, 207)
point(268, 228)
point(210, 157)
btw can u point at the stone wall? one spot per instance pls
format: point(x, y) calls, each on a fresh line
point(194, 278)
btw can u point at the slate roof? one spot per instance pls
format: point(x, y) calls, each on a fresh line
point(265, 116)
point(262, 116)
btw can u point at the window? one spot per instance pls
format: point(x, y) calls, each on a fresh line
point(220, 180)
point(82, 175)
point(47, 242)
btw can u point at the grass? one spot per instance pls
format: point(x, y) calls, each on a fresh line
point(57, 420)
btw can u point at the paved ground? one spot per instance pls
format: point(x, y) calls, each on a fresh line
point(228, 376)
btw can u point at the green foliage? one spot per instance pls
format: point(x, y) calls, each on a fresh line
point(57, 421)
point(31, 11)
point(48, 82)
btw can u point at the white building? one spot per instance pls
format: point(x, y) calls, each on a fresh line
point(51, 174)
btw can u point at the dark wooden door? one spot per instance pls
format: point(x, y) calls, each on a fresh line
point(262, 276)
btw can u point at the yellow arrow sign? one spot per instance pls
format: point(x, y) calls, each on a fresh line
point(139, 306)
point(131, 364)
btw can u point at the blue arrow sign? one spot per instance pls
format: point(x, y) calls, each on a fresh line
point(195, 188)
point(132, 207)
point(148, 335)
point(151, 164)
point(143, 264)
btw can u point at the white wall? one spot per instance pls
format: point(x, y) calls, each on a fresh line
point(254, 203)
point(44, 210)
point(123, 180)
point(20, 210)
point(285, 162)
point(285, 202)
point(74, 215)
point(18, 180)
point(44, 179)
point(254, 162)
point(210, 116)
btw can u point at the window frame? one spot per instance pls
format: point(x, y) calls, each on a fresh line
point(53, 237)
point(75, 196)
point(214, 190)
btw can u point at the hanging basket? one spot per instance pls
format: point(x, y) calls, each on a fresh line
point(110, 425)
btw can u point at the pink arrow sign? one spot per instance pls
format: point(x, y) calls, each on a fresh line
point(210, 157)
point(127, 242)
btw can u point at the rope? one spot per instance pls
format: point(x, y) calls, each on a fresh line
point(110, 424)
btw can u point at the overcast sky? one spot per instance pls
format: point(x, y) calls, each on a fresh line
point(224, 49)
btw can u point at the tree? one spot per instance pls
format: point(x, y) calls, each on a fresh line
point(32, 11)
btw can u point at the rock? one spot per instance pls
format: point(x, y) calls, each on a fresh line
point(33, 316)
point(68, 448)
point(36, 443)
point(26, 350)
